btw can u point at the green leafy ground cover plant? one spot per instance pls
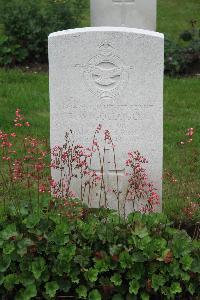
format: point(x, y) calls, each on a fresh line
point(95, 256)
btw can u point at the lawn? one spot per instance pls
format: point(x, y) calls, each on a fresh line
point(181, 111)
point(174, 16)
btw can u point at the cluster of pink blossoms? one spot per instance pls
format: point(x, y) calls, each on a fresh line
point(73, 163)
point(189, 134)
point(26, 166)
point(6, 145)
point(140, 188)
point(20, 120)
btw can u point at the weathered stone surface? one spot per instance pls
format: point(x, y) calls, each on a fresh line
point(129, 13)
point(114, 77)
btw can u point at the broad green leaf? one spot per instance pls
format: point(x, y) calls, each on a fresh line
point(9, 232)
point(116, 279)
point(135, 217)
point(82, 291)
point(22, 246)
point(60, 236)
point(8, 248)
point(92, 275)
point(134, 287)
point(74, 275)
point(144, 296)
point(157, 281)
point(159, 245)
point(94, 295)
point(125, 260)
point(67, 253)
point(186, 261)
point(26, 278)
point(136, 272)
point(4, 263)
point(196, 264)
point(24, 211)
point(181, 245)
point(32, 220)
point(185, 276)
point(191, 288)
point(175, 288)
point(141, 232)
point(38, 266)
point(27, 294)
point(102, 265)
point(82, 260)
point(175, 268)
point(138, 257)
point(64, 284)
point(145, 243)
point(10, 281)
point(51, 288)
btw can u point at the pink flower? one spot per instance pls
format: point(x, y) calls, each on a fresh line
point(6, 158)
point(42, 188)
point(13, 134)
point(53, 183)
point(17, 113)
point(39, 167)
point(128, 162)
point(18, 125)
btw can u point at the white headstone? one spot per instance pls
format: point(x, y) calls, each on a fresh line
point(129, 13)
point(114, 77)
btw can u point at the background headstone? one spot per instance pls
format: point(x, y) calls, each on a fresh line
point(114, 77)
point(129, 13)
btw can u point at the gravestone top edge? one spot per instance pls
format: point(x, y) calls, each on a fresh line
point(106, 29)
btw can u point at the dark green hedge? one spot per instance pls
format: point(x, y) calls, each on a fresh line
point(27, 24)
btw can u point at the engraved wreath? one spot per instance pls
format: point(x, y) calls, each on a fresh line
point(106, 76)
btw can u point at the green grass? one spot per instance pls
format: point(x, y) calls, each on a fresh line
point(181, 111)
point(174, 16)
point(28, 92)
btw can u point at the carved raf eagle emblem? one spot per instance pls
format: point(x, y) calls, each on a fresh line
point(105, 74)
